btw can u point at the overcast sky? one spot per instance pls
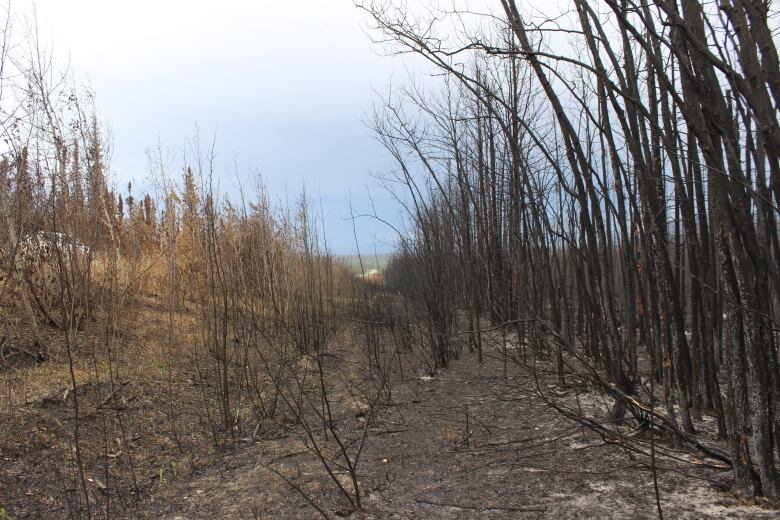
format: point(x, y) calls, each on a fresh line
point(283, 85)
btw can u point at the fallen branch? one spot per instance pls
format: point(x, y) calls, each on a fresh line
point(528, 509)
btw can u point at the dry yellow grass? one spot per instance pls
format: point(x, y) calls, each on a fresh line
point(141, 352)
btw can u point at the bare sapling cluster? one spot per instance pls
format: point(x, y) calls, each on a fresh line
point(63, 274)
point(252, 313)
point(602, 184)
point(270, 301)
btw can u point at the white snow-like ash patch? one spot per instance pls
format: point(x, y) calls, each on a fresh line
point(590, 402)
point(602, 487)
point(709, 502)
point(577, 445)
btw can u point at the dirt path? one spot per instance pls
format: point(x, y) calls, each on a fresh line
point(519, 459)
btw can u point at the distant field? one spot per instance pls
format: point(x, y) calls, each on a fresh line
point(369, 261)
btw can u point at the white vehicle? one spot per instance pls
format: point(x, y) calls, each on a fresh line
point(43, 246)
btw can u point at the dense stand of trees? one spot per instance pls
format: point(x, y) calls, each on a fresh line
point(604, 183)
point(265, 292)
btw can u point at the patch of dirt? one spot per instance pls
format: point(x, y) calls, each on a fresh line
point(144, 428)
point(131, 439)
point(516, 459)
point(466, 442)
